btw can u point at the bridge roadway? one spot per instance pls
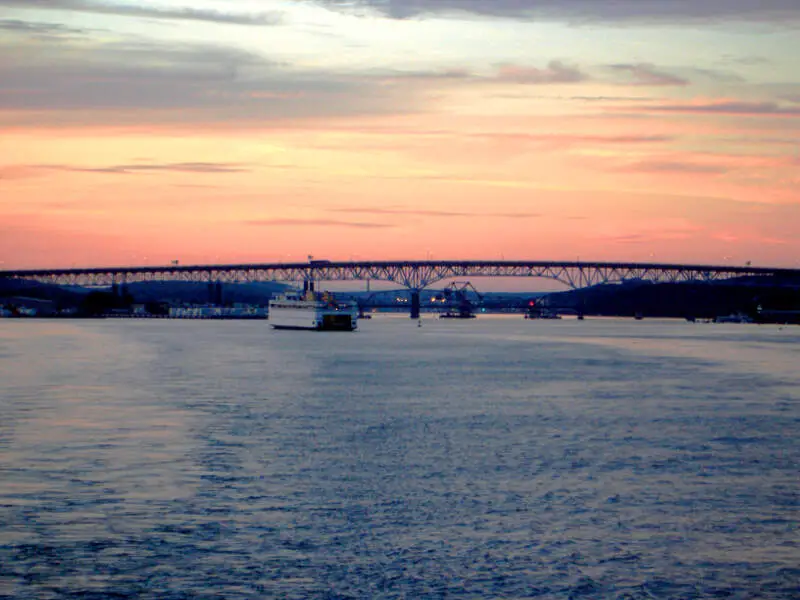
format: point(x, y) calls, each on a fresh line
point(414, 275)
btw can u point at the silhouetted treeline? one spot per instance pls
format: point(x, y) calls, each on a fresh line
point(156, 296)
point(685, 300)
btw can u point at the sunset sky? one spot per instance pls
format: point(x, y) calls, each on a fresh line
point(214, 131)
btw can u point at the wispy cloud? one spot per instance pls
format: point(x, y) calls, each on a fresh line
point(745, 60)
point(317, 223)
point(750, 165)
point(718, 75)
point(401, 211)
point(588, 11)
point(186, 167)
point(673, 166)
point(57, 76)
point(650, 236)
point(555, 72)
point(134, 10)
point(430, 75)
point(727, 107)
point(645, 74)
point(432, 213)
point(97, 81)
point(40, 29)
point(570, 139)
point(633, 238)
point(611, 98)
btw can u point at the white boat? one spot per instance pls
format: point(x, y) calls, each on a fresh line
point(312, 310)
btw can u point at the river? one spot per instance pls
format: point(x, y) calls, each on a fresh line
point(492, 458)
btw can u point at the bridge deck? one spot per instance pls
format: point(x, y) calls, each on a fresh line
point(415, 275)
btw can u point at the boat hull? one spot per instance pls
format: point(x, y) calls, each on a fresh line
point(311, 318)
point(320, 328)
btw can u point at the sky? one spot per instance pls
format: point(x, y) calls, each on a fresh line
point(219, 131)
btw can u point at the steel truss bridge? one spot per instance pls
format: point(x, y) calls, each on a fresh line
point(414, 275)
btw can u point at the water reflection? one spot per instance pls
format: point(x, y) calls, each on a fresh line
point(495, 458)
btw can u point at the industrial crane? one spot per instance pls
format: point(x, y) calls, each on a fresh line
point(457, 299)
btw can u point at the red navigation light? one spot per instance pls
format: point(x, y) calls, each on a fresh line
point(532, 303)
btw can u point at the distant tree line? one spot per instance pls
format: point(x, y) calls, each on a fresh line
point(683, 300)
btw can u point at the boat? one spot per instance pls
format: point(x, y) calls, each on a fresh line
point(311, 310)
point(734, 318)
point(456, 315)
point(542, 314)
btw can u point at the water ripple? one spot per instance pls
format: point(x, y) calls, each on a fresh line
point(503, 460)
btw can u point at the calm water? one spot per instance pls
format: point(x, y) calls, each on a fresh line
point(498, 458)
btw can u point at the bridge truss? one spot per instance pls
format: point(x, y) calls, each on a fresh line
point(414, 275)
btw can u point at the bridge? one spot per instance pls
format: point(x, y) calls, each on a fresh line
point(414, 275)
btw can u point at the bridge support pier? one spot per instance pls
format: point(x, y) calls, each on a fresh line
point(122, 297)
point(415, 304)
point(215, 293)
